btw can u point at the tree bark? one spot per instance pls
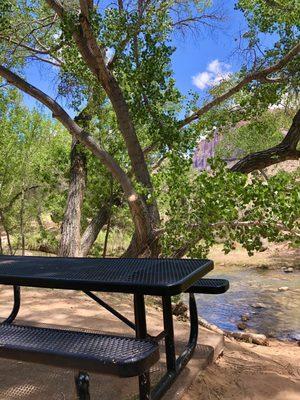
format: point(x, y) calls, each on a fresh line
point(6, 233)
point(92, 231)
point(22, 212)
point(286, 150)
point(70, 242)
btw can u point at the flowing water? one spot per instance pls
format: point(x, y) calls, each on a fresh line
point(279, 315)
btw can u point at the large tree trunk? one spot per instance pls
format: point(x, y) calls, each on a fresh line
point(92, 231)
point(70, 243)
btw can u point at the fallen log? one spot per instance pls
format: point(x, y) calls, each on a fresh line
point(249, 337)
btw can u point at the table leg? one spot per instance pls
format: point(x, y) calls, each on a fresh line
point(16, 307)
point(170, 376)
point(169, 333)
point(141, 333)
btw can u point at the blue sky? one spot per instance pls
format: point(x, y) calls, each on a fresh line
point(194, 54)
point(198, 62)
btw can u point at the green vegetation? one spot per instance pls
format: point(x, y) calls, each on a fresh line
point(121, 170)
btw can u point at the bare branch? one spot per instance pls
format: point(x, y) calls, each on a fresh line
point(121, 5)
point(260, 75)
point(45, 60)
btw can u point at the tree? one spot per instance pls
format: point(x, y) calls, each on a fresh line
point(33, 168)
point(115, 60)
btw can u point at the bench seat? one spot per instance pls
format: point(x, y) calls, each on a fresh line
point(116, 355)
point(209, 286)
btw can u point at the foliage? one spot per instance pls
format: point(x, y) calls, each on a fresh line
point(259, 133)
point(136, 49)
point(208, 207)
point(33, 167)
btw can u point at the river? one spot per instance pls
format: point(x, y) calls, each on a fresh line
point(280, 315)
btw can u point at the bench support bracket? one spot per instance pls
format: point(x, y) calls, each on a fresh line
point(16, 306)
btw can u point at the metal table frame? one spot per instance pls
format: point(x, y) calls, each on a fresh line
point(140, 277)
point(174, 365)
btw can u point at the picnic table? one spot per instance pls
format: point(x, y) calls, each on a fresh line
point(91, 352)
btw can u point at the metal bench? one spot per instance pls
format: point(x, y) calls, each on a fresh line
point(209, 286)
point(106, 354)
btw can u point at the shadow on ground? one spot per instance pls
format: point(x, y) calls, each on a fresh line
point(71, 309)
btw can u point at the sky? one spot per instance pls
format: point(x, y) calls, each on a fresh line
point(199, 61)
point(202, 58)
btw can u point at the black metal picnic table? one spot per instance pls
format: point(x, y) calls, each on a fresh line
point(140, 277)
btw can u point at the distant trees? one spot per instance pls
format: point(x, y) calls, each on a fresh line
point(113, 66)
point(33, 170)
point(38, 173)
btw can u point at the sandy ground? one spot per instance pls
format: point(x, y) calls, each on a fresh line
point(275, 256)
point(71, 309)
point(250, 372)
point(245, 372)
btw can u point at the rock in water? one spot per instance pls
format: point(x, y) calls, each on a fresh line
point(242, 326)
point(258, 305)
point(245, 317)
point(283, 289)
point(288, 270)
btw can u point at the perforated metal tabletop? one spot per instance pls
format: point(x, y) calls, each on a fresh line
point(140, 276)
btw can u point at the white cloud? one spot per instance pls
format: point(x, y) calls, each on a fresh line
point(216, 71)
point(202, 80)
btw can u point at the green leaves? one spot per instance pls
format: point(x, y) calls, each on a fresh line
point(221, 206)
point(271, 16)
point(34, 157)
point(5, 10)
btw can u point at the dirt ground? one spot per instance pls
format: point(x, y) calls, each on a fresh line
point(276, 255)
point(72, 310)
point(244, 372)
point(250, 372)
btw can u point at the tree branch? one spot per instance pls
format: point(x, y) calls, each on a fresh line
point(16, 196)
point(136, 205)
point(248, 224)
point(260, 75)
point(180, 252)
point(286, 150)
point(93, 56)
point(61, 115)
point(120, 5)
